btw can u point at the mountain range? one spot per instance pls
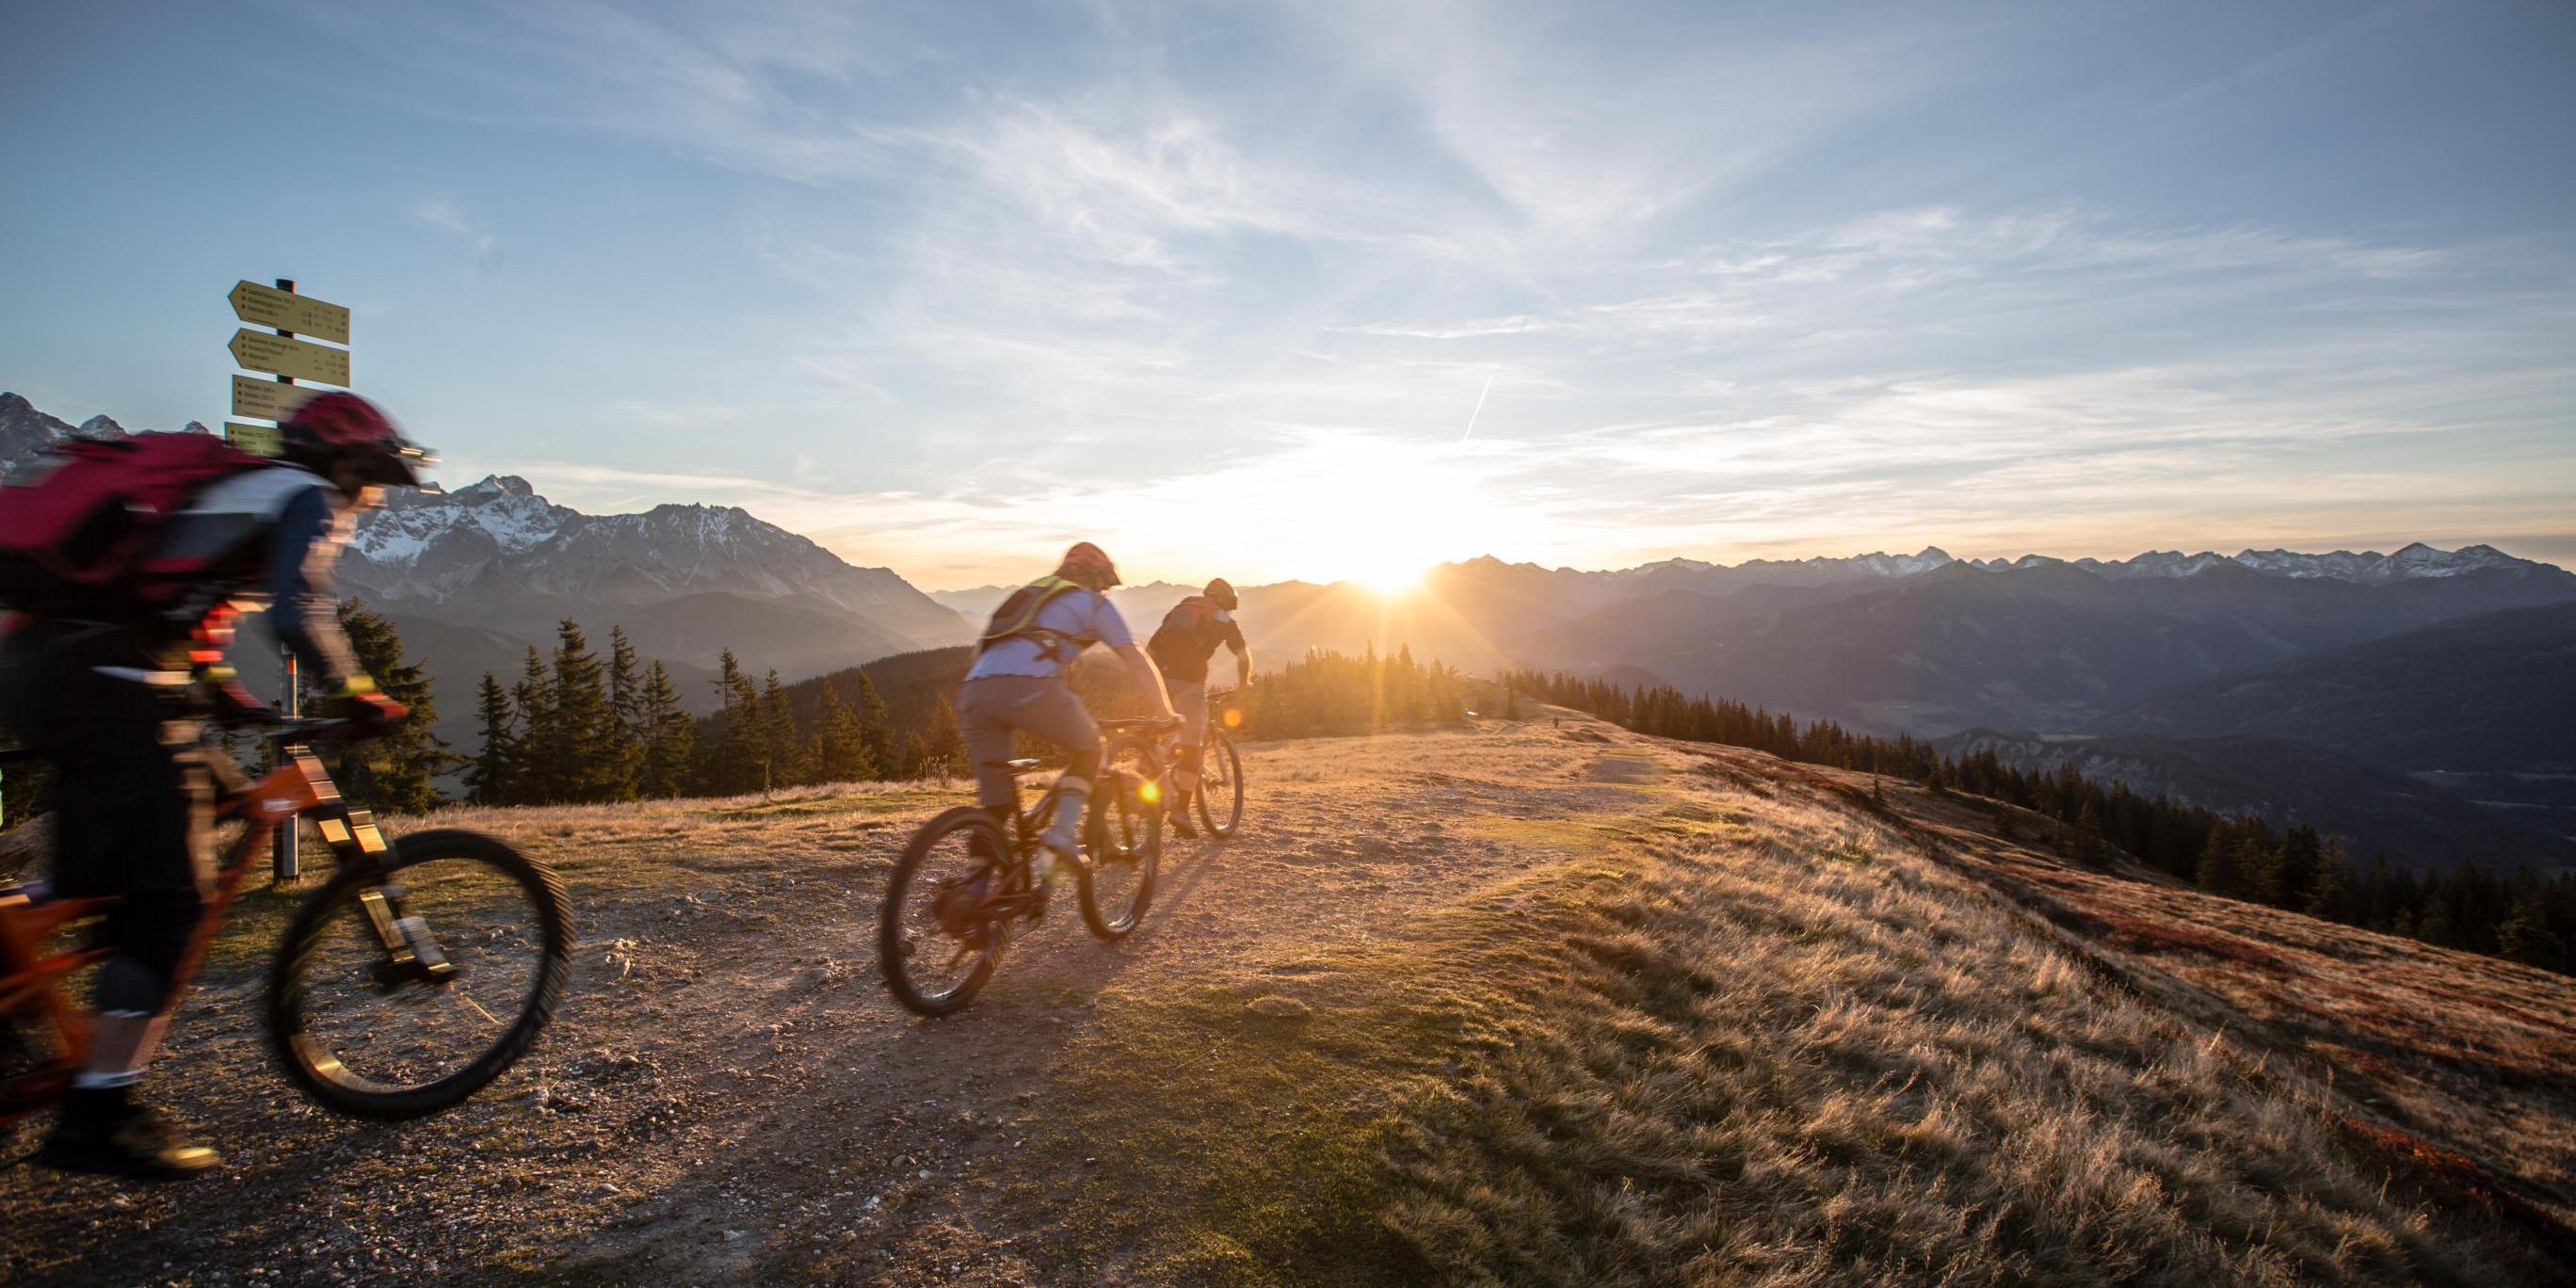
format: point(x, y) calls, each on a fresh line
point(474, 576)
point(2268, 679)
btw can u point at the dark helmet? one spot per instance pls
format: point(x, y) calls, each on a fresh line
point(1220, 592)
point(335, 428)
point(1089, 565)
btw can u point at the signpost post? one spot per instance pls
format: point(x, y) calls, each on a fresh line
point(281, 353)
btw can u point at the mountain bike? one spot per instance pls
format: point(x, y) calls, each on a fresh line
point(1220, 770)
point(963, 890)
point(418, 973)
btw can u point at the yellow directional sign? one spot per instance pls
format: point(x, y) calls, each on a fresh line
point(267, 399)
point(286, 311)
point(294, 359)
point(258, 440)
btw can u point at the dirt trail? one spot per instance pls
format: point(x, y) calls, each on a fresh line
point(730, 1092)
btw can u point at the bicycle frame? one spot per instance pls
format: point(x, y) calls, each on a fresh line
point(30, 981)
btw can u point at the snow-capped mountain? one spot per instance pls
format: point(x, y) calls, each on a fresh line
point(686, 580)
point(2369, 568)
point(26, 434)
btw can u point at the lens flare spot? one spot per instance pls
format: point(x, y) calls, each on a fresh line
point(1151, 792)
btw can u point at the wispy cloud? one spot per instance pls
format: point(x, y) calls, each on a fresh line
point(1189, 276)
point(443, 214)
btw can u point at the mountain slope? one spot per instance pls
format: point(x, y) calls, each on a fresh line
point(1521, 1003)
point(2490, 692)
point(2047, 646)
point(2283, 782)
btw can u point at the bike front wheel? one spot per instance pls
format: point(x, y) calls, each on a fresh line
point(941, 928)
point(1219, 802)
point(1126, 840)
point(410, 981)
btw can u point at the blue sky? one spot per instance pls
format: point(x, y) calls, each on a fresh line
point(1312, 289)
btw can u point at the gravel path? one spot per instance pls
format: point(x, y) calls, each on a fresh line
point(729, 1092)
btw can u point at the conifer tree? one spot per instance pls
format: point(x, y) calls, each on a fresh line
point(2217, 868)
point(944, 748)
point(489, 780)
point(740, 757)
point(670, 736)
point(2246, 860)
point(874, 726)
point(842, 751)
point(2087, 836)
point(393, 772)
point(780, 737)
point(583, 732)
point(533, 765)
point(2328, 892)
point(2292, 869)
point(619, 747)
point(625, 681)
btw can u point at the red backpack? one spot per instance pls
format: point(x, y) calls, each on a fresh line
point(80, 536)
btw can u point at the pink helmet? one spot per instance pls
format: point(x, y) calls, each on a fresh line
point(338, 427)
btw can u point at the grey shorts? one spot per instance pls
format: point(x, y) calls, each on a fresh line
point(1189, 698)
point(991, 709)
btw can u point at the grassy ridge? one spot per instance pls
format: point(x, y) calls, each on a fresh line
point(1743, 1035)
point(1259, 1111)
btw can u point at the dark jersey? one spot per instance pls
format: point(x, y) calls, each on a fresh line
point(1190, 635)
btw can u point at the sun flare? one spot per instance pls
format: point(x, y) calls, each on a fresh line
point(1381, 513)
point(1392, 579)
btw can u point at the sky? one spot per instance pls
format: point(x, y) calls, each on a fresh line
point(1322, 290)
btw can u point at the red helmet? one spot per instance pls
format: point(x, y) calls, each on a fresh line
point(1088, 564)
point(338, 427)
point(1220, 592)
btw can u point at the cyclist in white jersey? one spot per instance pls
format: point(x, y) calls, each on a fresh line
point(1018, 683)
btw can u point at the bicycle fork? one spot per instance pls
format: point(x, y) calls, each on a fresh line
point(412, 950)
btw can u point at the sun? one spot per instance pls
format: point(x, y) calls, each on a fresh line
point(1380, 514)
point(1393, 578)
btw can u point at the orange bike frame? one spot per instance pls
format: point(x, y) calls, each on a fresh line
point(29, 978)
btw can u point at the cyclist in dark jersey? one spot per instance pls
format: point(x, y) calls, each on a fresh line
point(1181, 647)
point(119, 706)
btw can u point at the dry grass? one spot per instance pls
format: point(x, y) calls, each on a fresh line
point(2423, 1053)
point(1773, 1064)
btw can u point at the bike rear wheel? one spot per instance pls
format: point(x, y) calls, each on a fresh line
point(1219, 802)
point(941, 929)
point(410, 981)
point(1125, 832)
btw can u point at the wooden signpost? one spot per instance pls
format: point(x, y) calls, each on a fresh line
point(279, 352)
point(267, 399)
point(293, 359)
point(284, 310)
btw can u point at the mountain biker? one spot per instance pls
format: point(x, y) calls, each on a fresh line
point(117, 695)
point(1017, 683)
point(1181, 646)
